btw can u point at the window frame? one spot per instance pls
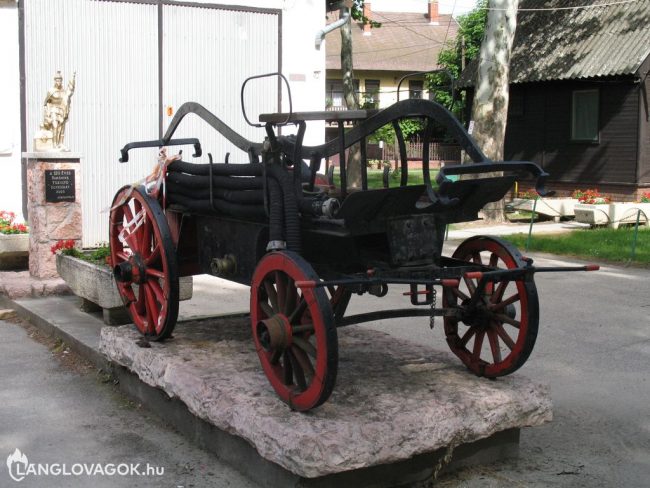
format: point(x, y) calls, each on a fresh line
point(574, 108)
point(373, 91)
point(412, 89)
point(330, 92)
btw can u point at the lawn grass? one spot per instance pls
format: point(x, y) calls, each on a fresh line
point(522, 216)
point(375, 178)
point(603, 244)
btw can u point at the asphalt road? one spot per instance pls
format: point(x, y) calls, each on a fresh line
point(593, 348)
point(57, 411)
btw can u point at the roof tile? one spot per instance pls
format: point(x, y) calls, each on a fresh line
point(404, 42)
point(581, 43)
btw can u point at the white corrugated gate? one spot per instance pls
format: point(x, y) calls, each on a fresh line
point(207, 52)
point(208, 62)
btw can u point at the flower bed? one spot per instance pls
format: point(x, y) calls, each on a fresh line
point(14, 243)
point(596, 209)
point(613, 214)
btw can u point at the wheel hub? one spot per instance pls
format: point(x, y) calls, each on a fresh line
point(123, 272)
point(138, 263)
point(274, 333)
point(131, 271)
point(479, 316)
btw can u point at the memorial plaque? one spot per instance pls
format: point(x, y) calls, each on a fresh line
point(59, 185)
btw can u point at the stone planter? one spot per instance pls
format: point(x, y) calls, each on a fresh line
point(613, 214)
point(14, 251)
point(551, 207)
point(95, 286)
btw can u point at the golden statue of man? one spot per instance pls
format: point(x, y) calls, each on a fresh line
point(56, 111)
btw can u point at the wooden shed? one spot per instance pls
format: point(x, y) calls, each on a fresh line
point(579, 95)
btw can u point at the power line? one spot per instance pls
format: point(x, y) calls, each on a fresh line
point(449, 24)
point(407, 28)
point(415, 22)
point(401, 55)
point(576, 7)
point(394, 48)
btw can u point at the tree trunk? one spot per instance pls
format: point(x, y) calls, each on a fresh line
point(490, 108)
point(351, 100)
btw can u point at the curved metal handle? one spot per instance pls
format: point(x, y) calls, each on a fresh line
point(442, 70)
point(243, 107)
point(412, 107)
point(124, 152)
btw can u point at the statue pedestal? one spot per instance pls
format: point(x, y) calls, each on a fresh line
point(53, 206)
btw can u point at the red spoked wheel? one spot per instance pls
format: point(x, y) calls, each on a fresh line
point(144, 262)
point(294, 332)
point(498, 336)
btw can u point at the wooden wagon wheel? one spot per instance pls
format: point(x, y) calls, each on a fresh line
point(293, 329)
point(499, 336)
point(144, 262)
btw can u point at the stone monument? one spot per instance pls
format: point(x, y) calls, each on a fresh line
point(53, 183)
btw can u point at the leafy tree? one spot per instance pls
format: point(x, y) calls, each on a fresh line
point(357, 14)
point(454, 58)
point(410, 127)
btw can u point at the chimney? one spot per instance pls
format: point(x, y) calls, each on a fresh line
point(367, 13)
point(433, 12)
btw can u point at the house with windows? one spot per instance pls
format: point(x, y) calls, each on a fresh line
point(579, 95)
point(405, 43)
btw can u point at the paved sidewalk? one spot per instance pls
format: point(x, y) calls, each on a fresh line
point(463, 231)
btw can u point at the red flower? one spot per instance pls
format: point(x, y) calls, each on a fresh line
point(7, 225)
point(62, 245)
point(590, 196)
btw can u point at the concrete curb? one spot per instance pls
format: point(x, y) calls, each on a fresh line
point(80, 331)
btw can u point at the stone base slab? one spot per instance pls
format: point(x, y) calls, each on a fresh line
point(394, 401)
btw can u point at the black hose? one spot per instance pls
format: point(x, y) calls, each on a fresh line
point(203, 206)
point(291, 215)
point(276, 217)
point(217, 169)
point(228, 182)
point(238, 196)
point(194, 178)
